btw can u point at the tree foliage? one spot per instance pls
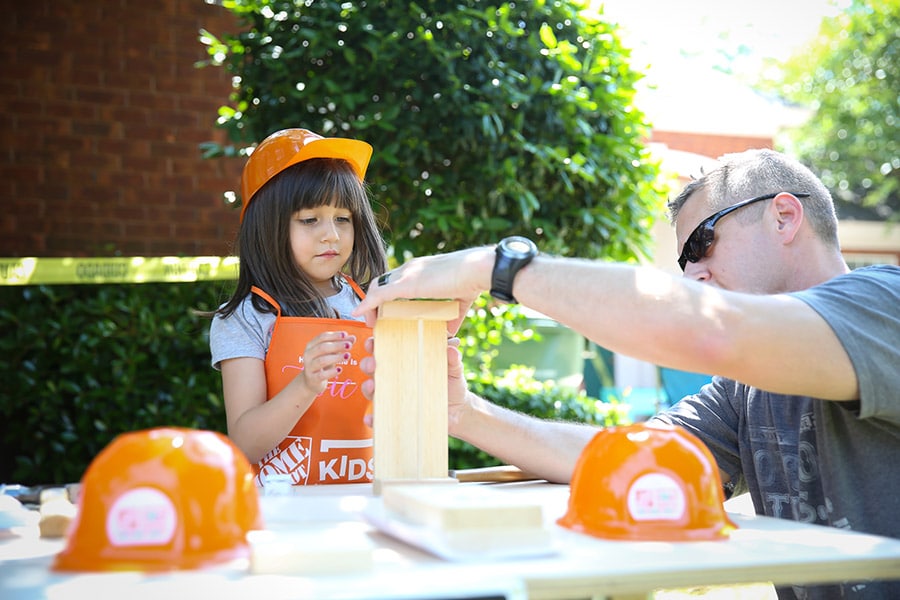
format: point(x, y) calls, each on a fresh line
point(487, 118)
point(849, 77)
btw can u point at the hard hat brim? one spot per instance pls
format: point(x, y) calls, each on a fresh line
point(288, 147)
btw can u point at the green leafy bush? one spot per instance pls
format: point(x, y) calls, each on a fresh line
point(83, 363)
point(487, 118)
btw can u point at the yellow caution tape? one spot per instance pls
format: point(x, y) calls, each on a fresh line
point(134, 269)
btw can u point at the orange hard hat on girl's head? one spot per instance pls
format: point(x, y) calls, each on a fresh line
point(291, 146)
point(647, 482)
point(162, 499)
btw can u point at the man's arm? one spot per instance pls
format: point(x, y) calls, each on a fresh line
point(774, 342)
point(547, 449)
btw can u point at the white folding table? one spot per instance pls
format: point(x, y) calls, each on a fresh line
point(760, 550)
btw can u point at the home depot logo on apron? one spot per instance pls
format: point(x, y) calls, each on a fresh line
point(330, 443)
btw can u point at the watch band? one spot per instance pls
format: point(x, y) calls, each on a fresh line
point(512, 254)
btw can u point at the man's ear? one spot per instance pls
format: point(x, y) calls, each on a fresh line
point(788, 215)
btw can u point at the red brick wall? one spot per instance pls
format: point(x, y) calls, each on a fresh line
point(707, 144)
point(101, 115)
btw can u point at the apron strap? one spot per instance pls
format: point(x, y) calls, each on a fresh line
point(267, 298)
point(355, 286)
point(271, 300)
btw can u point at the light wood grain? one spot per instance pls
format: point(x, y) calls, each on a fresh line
point(461, 507)
point(498, 474)
point(410, 408)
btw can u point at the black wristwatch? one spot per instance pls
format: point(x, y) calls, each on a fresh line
point(513, 253)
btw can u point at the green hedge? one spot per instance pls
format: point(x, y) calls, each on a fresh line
point(83, 363)
point(519, 391)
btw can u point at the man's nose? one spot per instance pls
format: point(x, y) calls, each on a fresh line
point(696, 271)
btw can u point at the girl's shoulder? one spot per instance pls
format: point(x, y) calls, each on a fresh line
point(245, 312)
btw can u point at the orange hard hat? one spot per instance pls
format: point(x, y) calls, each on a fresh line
point(161, 499)
point(647, 482)
point(291, 146)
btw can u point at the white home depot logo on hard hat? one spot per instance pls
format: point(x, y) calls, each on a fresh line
point(141, 517)
point(656, 496)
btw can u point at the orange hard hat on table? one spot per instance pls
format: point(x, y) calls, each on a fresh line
point(160, 499)
point(288, 147)
point(647, 482)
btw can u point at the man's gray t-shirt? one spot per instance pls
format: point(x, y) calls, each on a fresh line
point(817, 461)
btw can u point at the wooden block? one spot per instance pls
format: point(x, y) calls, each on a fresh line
point(380, 484)
point(430, 310)
point(410, 408)
point(498, 474)
point(57, 514)
point(334, 550)
point(461, 507)
point(54, 493)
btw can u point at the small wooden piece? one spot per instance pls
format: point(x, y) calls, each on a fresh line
point(461, 507)
point(498, 474)
point(56, 513)
point(410, 408)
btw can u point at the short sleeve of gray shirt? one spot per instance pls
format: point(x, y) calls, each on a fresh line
point(863, 309)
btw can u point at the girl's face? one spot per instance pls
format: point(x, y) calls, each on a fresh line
point(321, 242)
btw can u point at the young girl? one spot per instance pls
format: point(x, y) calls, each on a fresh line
point(285, 342)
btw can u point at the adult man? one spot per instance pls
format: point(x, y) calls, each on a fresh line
point(805, 411)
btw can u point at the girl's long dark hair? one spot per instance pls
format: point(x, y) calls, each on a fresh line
point(263, 241)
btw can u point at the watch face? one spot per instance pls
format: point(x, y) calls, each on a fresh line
point(517, 246)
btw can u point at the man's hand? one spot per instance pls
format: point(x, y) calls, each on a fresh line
point(460, 276)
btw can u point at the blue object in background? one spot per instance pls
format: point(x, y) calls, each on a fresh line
point(678, 384)
point(642, 402)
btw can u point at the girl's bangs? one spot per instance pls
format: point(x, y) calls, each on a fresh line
point(339, 187)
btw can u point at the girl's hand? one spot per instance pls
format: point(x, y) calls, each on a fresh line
point(322, 359)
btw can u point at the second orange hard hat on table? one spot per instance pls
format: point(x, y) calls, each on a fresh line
point(643, 482)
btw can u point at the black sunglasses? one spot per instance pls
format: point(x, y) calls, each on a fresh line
point(702, 237)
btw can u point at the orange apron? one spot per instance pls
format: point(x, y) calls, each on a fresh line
point(329, 443)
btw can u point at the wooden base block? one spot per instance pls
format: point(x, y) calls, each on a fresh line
point(378, 485)
point(461, 507)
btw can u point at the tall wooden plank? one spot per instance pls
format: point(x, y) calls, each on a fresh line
point(410, 407)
